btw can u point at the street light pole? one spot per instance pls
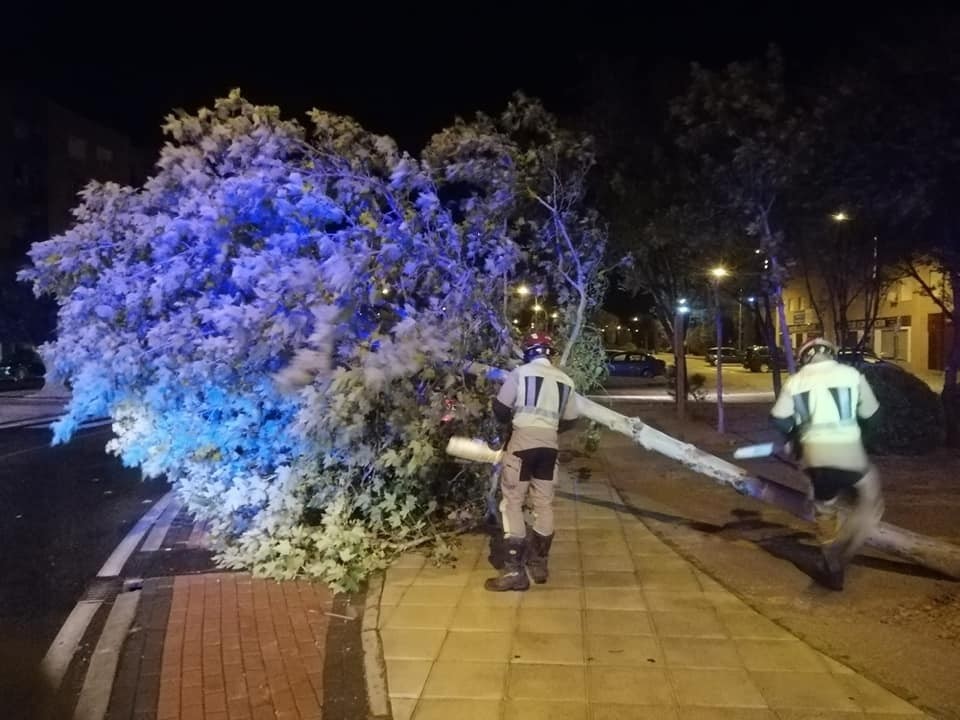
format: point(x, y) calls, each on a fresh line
point(680, 360)
point(740, 322)
point(718, 273)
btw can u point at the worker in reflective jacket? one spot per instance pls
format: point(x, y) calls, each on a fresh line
point(539, 400)
point(822, 407)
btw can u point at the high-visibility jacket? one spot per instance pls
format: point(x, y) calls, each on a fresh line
point(825, 400)
point(540, 396)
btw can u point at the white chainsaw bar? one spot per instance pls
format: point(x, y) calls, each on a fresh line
point(754, 451)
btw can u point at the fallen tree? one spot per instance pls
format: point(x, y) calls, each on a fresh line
point(928, 552)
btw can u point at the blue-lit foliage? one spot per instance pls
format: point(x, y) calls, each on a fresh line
point(276, 322)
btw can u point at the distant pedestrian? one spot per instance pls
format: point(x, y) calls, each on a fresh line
point(823, 407)
point(539, 401)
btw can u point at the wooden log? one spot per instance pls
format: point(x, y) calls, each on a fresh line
point(939, 555)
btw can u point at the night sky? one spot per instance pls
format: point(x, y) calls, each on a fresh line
point(404, 71)
point(407, 71)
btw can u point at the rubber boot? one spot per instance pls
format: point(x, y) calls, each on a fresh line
point(830, 573)
point(539, 552)
point(514, 575)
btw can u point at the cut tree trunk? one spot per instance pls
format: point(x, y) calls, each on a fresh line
point(928, 552)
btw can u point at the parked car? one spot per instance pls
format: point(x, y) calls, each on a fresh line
point(20, 366)
point(635, 364)
point(727, 355)
point(859, 358)
point(757, 358)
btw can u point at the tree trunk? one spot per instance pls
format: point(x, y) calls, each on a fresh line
point(950, 397)
point(771, 340)
point(784, 331)
point(929, 552)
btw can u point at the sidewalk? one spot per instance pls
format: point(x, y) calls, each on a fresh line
point(626, 628)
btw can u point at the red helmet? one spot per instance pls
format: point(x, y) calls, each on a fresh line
point(537, 344)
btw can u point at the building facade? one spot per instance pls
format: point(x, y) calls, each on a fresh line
point(47, 155)
point(910, 328)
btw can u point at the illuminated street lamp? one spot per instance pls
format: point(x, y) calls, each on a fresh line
point(537, 307)
point(840, 216)
point(680, 360)
point(523, 290)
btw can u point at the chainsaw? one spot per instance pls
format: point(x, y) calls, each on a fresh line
point(479, 451)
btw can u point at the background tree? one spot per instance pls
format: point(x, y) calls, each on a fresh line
point(739, 130)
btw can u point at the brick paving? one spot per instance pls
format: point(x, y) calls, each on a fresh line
point(240, 648)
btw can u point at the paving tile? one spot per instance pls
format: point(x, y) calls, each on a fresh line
point(725, 713)
point(459, 708)
point(565, 561)
point(662, 563)
point(701, 653)
point(687, 623)
point(560, 598)
point(547, 648)
point(419, 644)
point(835, 667)
point(405, 678)
point(564, 578)
point(716, 688)
point(597, 539)
point(479, 680)
point(797, 714)
point(454, 577)
point(477, 596)
point(669, 579)
point(723, 600)
point(820, 691)
point(631, 686)
point(465, 645)
point(676, 600)
point(779, 655)
point(399, 577)
point(409, 560)
point(418, 616)
point(549, 620)
point(491, 619)
point(614, 599)
point(632, 650)
point(402, 708)
point(608, 579)
point(751, 625)
point(544, 710)
point(564, 545)
point(623, 622)
point(607, 711)
point(547, 682)
point(441, 595)
point(615, 563)
point(873, 698)
point(392, 595)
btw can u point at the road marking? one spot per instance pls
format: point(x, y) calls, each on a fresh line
point(161, 528)
point(118, 558)
point(97, 685)
point(64, 645)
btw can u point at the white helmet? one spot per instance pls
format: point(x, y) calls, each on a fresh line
point(817, 348)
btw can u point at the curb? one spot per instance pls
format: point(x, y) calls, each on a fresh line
point(375, 669)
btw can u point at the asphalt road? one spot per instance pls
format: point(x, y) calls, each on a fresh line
point(62, 512)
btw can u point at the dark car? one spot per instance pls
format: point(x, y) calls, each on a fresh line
point(727, 355)
point(757, 358)
point(635, 364)
point(20, 366)
point(859, 358)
